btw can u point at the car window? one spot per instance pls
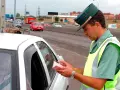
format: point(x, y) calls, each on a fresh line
point(5, 71)
point(36, 24)
point(35, 73)
point(48, 56)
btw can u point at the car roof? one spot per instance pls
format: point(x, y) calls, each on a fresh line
point(12, 41)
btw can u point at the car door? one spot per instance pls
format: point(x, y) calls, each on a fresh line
point(47, 54)
point(36, 77)
point(36, 72)
point(8, 70)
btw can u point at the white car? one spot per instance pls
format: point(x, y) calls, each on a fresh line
point(112, 26)
point(10, 20)
point(56, 25)
point(26, 64)
point(18, 23)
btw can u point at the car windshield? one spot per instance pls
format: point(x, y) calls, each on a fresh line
point(36, 24)
point(5, 70)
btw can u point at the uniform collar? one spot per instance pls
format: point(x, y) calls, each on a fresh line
point(106, 35)
point(97, 43)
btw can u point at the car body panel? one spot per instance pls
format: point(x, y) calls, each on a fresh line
point(20, 43)
point(13, 40)
point(58, 82)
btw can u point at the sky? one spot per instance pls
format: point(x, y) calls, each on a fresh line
point(61, 6)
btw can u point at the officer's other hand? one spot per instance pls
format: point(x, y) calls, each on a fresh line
point(66, 70)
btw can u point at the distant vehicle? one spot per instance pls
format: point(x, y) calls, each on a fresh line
point(35, 26)
point(112, 26)
point(29, 19)
point(26, 64)
point(18, 23)
point(10, 20)
point(56, 25)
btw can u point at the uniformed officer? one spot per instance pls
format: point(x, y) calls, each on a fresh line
point(102, 68)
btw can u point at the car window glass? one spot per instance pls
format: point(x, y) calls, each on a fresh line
point(5, 71)
point(48, 56)
point(35, 74)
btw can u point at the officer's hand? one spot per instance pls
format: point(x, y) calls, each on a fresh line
point(65, 64)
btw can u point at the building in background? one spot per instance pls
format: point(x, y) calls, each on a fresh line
point(67, 19)
point(64, 14)
point(74, 13)
point(64, 17)
point(109, 16)
point(117, 16)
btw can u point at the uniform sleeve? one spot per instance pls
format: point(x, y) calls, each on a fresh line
point(108, 63)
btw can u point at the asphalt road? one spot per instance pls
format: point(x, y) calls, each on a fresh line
point(74, 30)
point(69, 43)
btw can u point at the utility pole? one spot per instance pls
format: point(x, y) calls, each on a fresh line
point(39, 13)
point(2, 15)
point(25, 10)
point(36, 13)
point(14, 10)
